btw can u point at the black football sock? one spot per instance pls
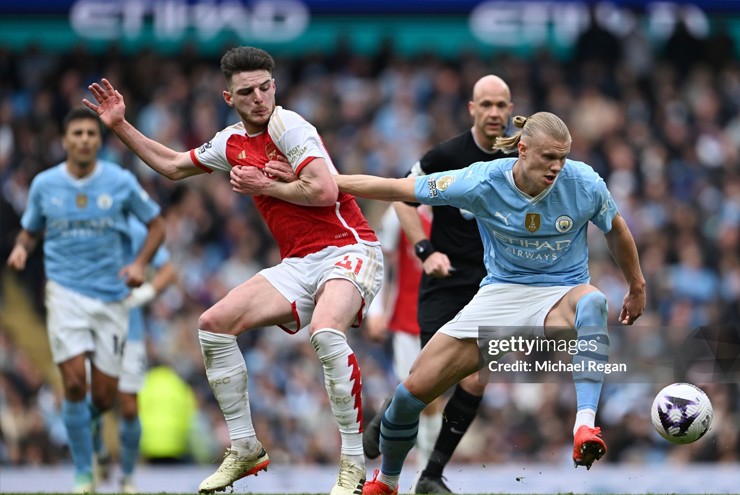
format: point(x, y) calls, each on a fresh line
point(456, 418)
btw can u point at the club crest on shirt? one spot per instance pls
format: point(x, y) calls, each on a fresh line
point(444, 182)
point(271, 151)
point(104, 202)
point(81, 200)
point(532, 222)
point(563, 224)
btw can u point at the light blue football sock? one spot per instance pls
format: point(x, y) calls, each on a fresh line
point(130, 434)
point(76, 417)
point(593, 336)
point(398, 430)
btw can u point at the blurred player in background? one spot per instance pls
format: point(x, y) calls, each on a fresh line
point(395, 309)
point(534, 212)
point(81, 207)
point(332, 264)
point(135, 363)
point(452, 258)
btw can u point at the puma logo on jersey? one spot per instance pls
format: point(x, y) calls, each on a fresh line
point(500, 215)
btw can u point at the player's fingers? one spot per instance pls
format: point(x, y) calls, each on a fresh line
point(108, 85)
point(89, 104)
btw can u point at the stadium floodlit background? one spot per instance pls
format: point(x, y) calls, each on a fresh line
point(650, 91)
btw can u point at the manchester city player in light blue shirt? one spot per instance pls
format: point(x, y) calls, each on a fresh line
point(533, 212)
point(81, 208)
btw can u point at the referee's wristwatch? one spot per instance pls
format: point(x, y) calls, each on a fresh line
point(423, 249)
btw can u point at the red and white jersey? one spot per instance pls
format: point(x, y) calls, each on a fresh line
point(298, 230)
point(407, 274)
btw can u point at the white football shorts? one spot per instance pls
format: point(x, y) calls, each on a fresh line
point(504, 305)
point(78, 324)
point(134, 367)
point(406, 348)
point(299, 279)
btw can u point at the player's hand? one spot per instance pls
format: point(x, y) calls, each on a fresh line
point(17, 258)
point(135, 274)
point(249, 180)
point(438, 265)
point(280, 169)
point(110, 108)
point(633, 305)
point(140, 296)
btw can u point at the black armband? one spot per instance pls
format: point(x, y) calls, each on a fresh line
point(423, 249)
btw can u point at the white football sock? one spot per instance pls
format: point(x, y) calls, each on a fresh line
point(227, 375)
point(584, 417)
point(343, 385)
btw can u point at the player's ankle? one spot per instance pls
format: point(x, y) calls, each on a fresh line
point(247, 446)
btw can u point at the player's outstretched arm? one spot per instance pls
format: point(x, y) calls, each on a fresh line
point(372, 187)
point(111, 109)
point(622, 248)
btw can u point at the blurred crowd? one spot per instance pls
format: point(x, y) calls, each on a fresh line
point(660, 123)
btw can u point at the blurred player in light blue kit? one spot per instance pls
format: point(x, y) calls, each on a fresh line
point(533, 212)
point(134, 360)
point(81, 207)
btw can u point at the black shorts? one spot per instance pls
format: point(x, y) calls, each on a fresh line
point(441, 300)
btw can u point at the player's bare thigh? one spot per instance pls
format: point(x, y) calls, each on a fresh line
point(255, 303)
point(338, 303)
point(561, 320)
point(443, 362)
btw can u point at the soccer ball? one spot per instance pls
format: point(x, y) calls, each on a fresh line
point(682, 413)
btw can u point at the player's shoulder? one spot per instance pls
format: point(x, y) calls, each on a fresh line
point(51, 174)
point(580, 171)
point(283, 119)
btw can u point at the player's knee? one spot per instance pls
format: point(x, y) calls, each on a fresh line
point(75, 390)
point(210, 322)
point(592, 311)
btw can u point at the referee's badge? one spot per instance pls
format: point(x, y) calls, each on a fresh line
point(563, 224)
point(81, 200)
point(532, 222)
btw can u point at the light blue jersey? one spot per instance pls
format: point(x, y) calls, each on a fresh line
point(138, 232)
point(527, 240)
point(85, 226)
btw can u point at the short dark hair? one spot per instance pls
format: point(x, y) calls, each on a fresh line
point(245, 58)
point(79, 113)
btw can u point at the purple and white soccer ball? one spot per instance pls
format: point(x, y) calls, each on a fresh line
point(682, 413)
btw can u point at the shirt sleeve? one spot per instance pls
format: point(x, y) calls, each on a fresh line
point(140, 204)
point(211, 156)
point(298, 140)
point(453, 188)
point(605, 207)
point(33, 219)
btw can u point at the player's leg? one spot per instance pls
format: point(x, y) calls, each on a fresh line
point(77, 421)
point(254, 303)
point(129, 434)
point(584, 308)
point(442, 363)
point(453, 419)
point(348, 279)
point(336, 309)
point(79, 325)
point(129, 426)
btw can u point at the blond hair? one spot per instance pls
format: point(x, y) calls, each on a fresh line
point(541, 123)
